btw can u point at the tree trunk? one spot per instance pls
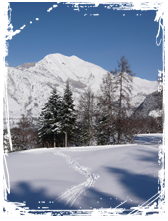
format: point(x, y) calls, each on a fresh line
point(54, 141)
point(119, 115)
point(65, 139)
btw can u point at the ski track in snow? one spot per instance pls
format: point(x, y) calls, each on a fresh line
point(73, 194)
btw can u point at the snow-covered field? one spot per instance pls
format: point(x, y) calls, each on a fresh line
point(84, 178)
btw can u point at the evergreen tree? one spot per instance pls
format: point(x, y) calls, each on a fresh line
point(123, 77)
point(50, 120)
point(68, 115)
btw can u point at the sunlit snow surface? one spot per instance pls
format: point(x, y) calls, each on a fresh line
point(84, 178)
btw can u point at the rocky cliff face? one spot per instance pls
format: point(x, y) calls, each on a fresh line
point(152, 102)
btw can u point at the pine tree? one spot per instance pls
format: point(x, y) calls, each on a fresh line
point(68, 115)
point(50, 120)
point(123, 78)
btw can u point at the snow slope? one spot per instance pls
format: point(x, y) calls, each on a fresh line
point(30, 84)
point(79, 178)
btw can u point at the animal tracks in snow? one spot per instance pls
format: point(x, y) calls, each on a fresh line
point(73, 194)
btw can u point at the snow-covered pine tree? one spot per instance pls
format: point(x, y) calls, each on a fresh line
point(44, 130)
point(50, 120)
point(68, 115)
point(123, 76)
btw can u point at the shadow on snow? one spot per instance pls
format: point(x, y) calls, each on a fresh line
point(35, 198)
point(148, 157)
point(148, 140)
point(142, 186)
point(31, 202)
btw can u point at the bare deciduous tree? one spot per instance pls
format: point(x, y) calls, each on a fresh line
point(105, 110)
point(123, 79)
point(24, 136)
point(85, 116)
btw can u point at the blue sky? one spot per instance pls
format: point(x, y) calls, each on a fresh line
point(101, 39)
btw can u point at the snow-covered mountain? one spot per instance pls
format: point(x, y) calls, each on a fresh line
point(30, 84)
point(152, 105)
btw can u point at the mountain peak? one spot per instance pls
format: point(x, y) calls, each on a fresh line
point(60, 58)
point(30, 84)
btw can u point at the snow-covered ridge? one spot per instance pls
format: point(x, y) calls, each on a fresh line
point(30, 84)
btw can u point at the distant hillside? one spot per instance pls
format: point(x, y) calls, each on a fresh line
point(152, 102)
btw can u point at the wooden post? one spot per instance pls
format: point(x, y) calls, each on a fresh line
point(54, 141)
point(65, 139)
point(47, 144)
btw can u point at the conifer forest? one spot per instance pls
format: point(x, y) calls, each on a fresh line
point(94, 119)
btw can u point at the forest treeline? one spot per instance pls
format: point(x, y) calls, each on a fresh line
point(98, 119)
